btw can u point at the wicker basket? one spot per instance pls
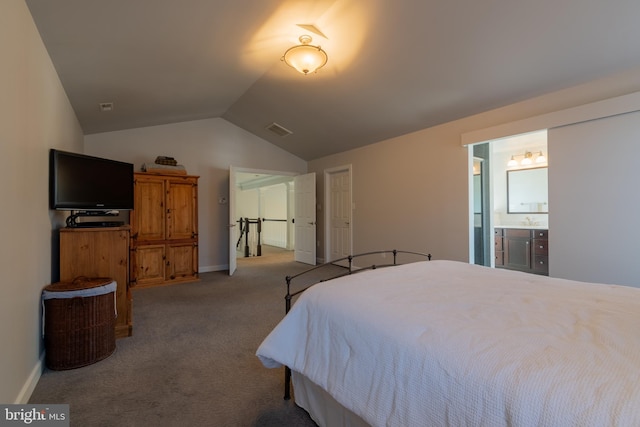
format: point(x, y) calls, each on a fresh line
point(79, 322)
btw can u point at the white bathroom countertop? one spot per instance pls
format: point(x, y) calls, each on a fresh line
point(527, 227)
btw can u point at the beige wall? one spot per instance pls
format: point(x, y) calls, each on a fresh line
point(206, 148)
point(35, 115)
point(411, 192)
point(403, 193)
point(594, 237)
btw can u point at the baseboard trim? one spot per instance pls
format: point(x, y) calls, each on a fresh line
point(211, 268)
point(31, 383)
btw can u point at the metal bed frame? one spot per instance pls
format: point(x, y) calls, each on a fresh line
point(349, 269)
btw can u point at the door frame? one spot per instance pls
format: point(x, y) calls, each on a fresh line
point(231, 199)
point(485, 202)
point(327, 208)
point(306, 218)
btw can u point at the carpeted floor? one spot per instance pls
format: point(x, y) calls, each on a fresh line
point(191, 360)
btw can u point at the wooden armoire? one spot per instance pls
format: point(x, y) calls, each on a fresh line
point(164, 229)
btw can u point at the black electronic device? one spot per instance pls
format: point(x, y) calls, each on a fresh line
point(79, 182)
point(72, 220)
point(99, 224)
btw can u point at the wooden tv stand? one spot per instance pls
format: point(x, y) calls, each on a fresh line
point(100, 252)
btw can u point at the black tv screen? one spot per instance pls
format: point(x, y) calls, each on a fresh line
point(81, 182)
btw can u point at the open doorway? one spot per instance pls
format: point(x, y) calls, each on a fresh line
point(494, 202)
point(298, 200)
point(263, 205)
point(482, 234)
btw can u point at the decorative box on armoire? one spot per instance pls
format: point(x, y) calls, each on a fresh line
point(100, 252)
point(164, 229)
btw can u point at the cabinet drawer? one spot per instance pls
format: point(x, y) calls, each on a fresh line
point(498, 232)
point(517, 233)
point(540, 247)
point(540, 234)
point(541, 264)
point(498, 243)
point(499, 258)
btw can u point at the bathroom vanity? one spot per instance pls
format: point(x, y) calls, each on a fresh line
point(522, 249)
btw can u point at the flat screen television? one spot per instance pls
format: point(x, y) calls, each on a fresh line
point(84, 183)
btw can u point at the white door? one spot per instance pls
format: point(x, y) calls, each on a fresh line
point(340, 205)
point(305, 218)
point(232, 221)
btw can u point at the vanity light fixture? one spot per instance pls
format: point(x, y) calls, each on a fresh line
point(541, 158)
point(305, 57)
point(526, 159)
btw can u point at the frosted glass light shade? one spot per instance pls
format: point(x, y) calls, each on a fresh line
point(304, 57)
point(526, 161)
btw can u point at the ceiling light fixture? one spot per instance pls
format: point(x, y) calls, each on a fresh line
point(305, 57)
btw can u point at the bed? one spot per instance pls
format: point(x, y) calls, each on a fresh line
point(445, 343)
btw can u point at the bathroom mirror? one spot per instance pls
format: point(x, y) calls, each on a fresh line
point(527, 191)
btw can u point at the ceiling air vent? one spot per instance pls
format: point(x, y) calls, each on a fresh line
point(106, 106)
point(278, 130)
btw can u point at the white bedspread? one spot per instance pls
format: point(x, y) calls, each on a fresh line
point(443, 343)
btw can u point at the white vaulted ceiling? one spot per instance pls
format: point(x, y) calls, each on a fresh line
point(394, 66)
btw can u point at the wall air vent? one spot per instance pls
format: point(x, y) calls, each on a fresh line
point(278, 130)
